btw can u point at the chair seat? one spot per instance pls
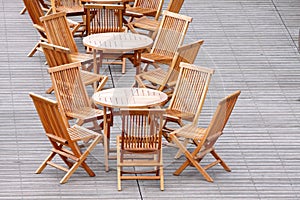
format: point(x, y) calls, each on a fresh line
point(179, 115)
point(89, 77)
point(139, 12)
point(155, 76)
point(85, 113)
point(155, 57)
point(81, 57)
point(190, 132)
point(80, 133)
point(146, 23)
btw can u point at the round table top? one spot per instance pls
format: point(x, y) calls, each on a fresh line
point(117, 42)
point(129, 97)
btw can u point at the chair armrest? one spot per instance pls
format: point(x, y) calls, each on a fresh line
point(39, 28)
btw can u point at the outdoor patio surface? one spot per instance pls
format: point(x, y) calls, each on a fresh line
point(251, 44)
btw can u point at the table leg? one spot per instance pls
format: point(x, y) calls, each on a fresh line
point(106, 138)
point(96, 66)
point(137, 63)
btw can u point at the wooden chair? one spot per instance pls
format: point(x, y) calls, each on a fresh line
point(142, 8)
point(165, 81)
point(188, 96)
point(170, 36)
point(61, 135)
point(59, 33)
point(103, 18)
point(205, 138)
point(72, 96)
point(35, 12)
point(57, 55)
point(140, 146)
point(151, 25)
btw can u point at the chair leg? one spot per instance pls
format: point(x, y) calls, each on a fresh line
point(161, 172)
point(44, 164)
point(221, 161)
point(190, 160)
point(23, 10)
point(111, 76)
point(70, 172)
point(32, 52)
point(179, 152)
point(123, 65)
point(118, 163)
point(49, 90)
point(81, 161)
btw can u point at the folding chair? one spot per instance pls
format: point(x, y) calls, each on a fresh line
point(170, 36)
point(188, 97)
point(59, 33)
point(205, 139)
point(35, 11)
point(72, 96)
point(64, 138)
point(139, 146)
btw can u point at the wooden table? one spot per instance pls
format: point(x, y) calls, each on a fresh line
point(125, 98)
point(118, 43)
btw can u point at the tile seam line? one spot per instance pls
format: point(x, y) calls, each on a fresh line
point(285, 26)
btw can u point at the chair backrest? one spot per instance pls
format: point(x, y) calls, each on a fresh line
point(141, 129)
point(56, 55)
point(58, 31)
point(102, 18)
point(35, 11)
point(152, 4)
point(54, 123)
point(220, 119)
point(190, 91)
point(69, 89)
point(186, 53)
point(175, 6)
point(171, 33)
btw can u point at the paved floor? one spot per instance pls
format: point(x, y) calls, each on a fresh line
point(252, 45)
